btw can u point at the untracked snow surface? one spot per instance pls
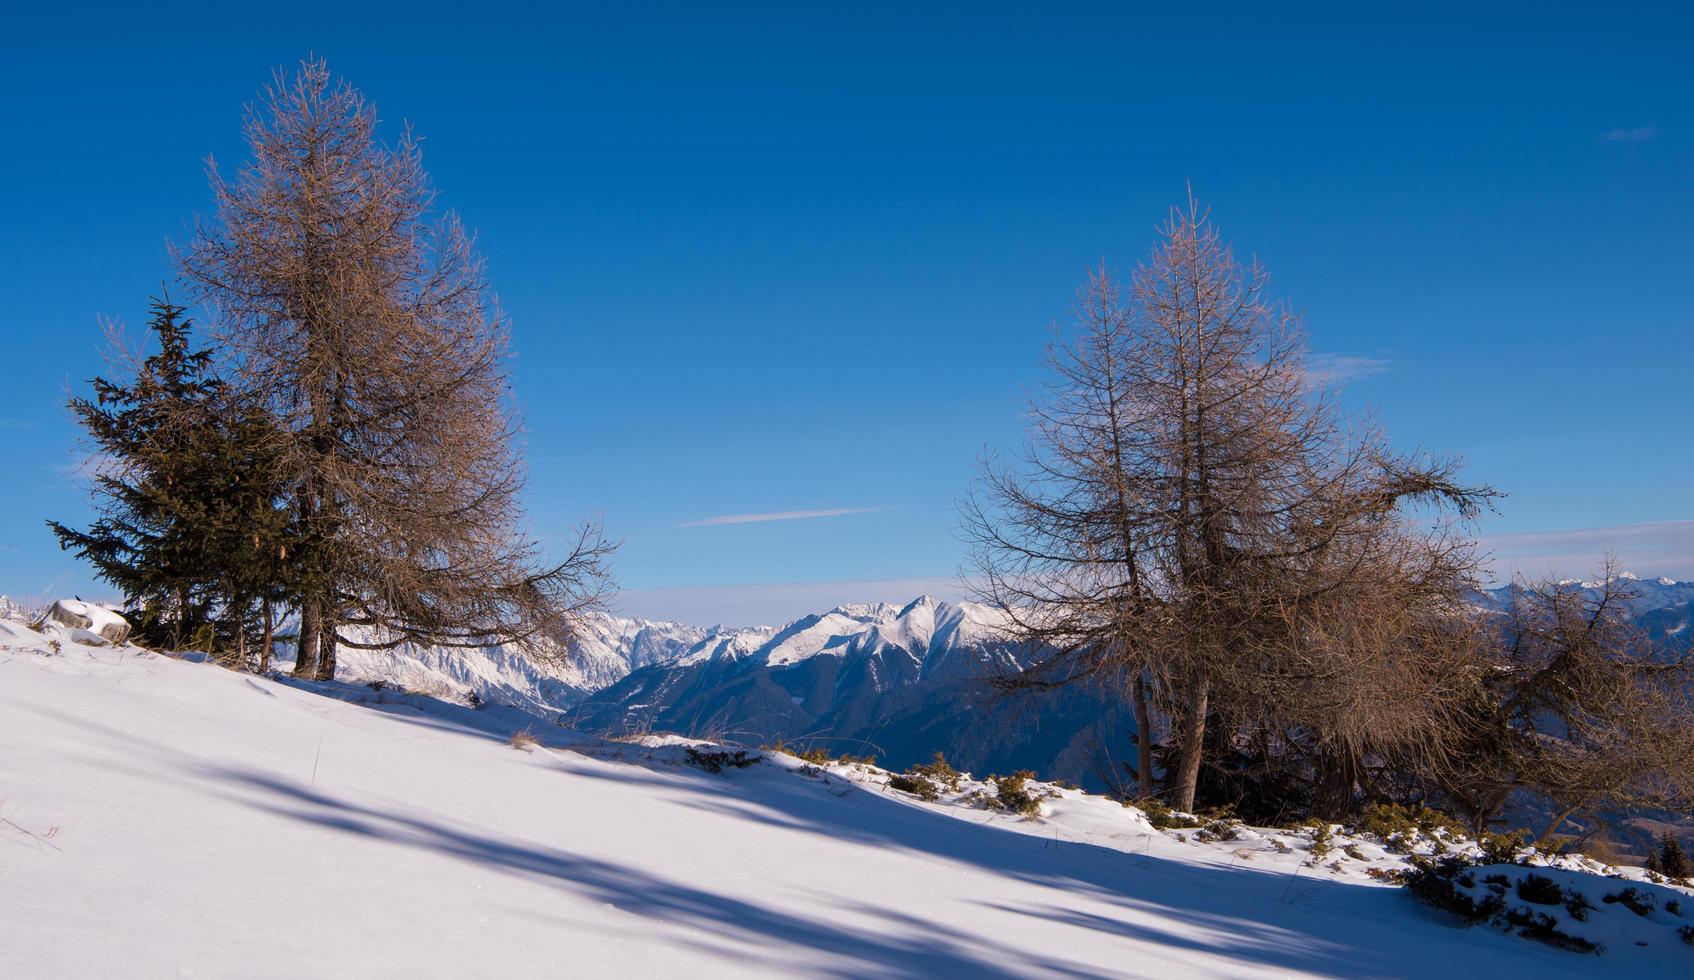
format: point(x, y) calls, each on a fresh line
point(163, 817)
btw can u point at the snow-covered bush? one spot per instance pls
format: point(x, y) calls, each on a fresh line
point(1226, 828)
point(716, 761)
point(1013, 795)
point(919, 786)
point(1575, 910)
point(939, 771)
point(1400, 828)
point(1163, 817)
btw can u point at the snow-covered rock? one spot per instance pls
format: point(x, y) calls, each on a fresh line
point(74, 614)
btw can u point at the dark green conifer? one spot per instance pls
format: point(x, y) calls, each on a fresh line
point(1672, 862)
point(189, 527)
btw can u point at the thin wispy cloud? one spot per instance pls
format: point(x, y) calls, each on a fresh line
point(1639, 134)
point(1660, 548)
point(84, 467)
point(779, 515)
point(1336, 369)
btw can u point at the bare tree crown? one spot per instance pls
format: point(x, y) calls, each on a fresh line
point(365, 321)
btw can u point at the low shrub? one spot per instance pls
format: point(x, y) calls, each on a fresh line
point(1163, 817)
point(938, 771)
point(1398, 826)
point(815, 755)
point(1227, 828)
point(524, 740)
point(1540, 890)
point(1578, 905)
point(919, 786)
point(1633, 899)
point(1502, 848)
point(1013, 793)
point(717, 761)
point(1544, 928)
point(1323, 839)
point(1438, 884)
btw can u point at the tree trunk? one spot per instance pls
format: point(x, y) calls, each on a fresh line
point(266, 641)
point(326, 646)
point(1193, 743)
point(1143, 738)
point(1336, 784)
point(306, 643)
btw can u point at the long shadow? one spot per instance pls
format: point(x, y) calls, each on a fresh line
point(494, 721)
point(1249, 915)
point(1300, 922)
point(1260, 918)
point(923, 950)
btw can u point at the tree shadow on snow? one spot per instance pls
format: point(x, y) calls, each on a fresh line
point(1302, 921)
point(923, 950)
point(1259, 918)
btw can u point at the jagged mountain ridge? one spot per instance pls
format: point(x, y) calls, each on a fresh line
point(1645, 595)
point(540, 674)
point(1662, 607)
point(895, 682)
point(12, 609)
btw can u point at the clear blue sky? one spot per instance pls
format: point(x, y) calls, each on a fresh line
point(794, 258)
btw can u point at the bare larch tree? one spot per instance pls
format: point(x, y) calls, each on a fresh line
point(1192, 511)
point(365, 322)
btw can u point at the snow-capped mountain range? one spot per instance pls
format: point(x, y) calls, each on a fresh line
point(16, 611)
point(897, 646)
point(905, 681)
point(897, 682)
point(1644, 594)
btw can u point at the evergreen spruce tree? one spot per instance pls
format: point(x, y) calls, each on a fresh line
point(189, 524)
point(1672, 862)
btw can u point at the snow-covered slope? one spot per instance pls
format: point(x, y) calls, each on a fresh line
point(169, 818)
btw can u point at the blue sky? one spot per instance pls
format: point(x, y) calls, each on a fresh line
point(784, 260)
